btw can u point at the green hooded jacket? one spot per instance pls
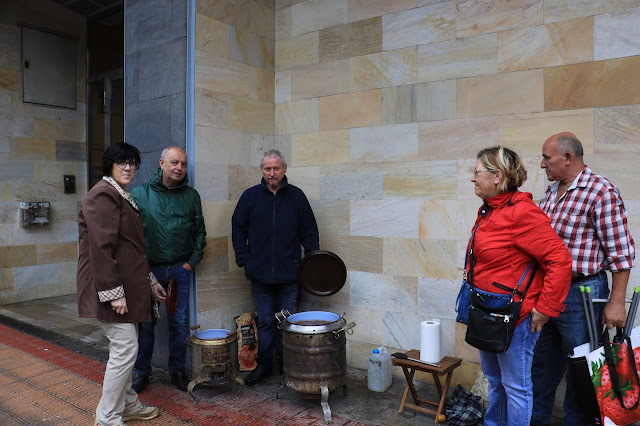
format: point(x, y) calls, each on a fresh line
point(173, 223)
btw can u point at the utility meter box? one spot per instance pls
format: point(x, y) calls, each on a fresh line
point(34, 213)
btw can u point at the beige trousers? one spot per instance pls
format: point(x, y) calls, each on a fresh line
point(117, 394)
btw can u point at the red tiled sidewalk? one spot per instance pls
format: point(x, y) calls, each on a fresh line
point(42, 383)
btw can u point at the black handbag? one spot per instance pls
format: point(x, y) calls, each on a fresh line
point(491, 328)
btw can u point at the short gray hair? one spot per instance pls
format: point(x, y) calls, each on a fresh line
point(167, 149)
point(569, 144)
point(273, 153)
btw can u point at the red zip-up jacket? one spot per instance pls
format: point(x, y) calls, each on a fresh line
point(511, 230)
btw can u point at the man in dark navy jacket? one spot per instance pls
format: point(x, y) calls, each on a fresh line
point(270, 223)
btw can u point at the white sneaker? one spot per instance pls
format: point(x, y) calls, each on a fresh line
point(141, 412)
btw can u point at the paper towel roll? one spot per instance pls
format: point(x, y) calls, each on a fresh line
point(430, 341)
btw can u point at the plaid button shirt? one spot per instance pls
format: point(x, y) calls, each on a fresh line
point(591, 220)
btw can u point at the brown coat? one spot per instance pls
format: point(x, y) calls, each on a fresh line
point(112, 254)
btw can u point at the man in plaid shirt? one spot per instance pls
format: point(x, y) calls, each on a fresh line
point(588, 213)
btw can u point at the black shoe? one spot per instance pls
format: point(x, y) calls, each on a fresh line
point(180, 380)
point(140, 381)
point(256, 376)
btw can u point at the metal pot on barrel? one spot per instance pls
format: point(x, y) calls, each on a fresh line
point(314, 342)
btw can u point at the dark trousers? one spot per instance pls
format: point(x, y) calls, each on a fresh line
point(272, 298)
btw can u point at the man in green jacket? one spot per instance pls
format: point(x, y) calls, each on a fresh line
point(175, 236)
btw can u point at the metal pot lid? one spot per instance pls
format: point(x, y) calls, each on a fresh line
point(322, 273)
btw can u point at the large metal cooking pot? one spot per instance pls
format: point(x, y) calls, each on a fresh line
point(214, 357)
point(314, 349)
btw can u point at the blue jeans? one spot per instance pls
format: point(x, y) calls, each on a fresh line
point(509, 375)
point(178, 324)
point(558, 338)
point(272, 298)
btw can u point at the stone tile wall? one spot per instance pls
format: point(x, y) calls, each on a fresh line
point(386, 105)
point(38, 145)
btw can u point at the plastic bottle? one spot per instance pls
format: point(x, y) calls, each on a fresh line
point(379, 370)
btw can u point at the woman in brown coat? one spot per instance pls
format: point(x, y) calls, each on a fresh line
point(114, 281)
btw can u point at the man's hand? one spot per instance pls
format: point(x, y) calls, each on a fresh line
point(614, 314)
point(119, 306)
point(161, 295)
point(538, 320)
point(187, 267)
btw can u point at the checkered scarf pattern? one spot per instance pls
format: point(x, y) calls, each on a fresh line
point(591, 219)
point(463, 408)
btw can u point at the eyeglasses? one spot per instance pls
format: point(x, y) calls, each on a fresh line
point(131, 163)
point(477, 172)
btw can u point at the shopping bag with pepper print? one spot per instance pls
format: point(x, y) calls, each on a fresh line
point(614, 374)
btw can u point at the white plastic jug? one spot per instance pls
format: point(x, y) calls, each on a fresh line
point(379, 375)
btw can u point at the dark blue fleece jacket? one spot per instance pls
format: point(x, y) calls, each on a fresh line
point(268, 229)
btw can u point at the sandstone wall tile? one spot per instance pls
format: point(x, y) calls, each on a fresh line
point(14, 256)
point(33, 149)
point(216, 258)
point(251, 49)
point(447, 219)
point(319, 148)
point(57, 129)
point(211, 108)
point(55, 232)
point(372, 332)
point(217, 215)
point(356, 109)
point(28, 277)
point(223, 289)
point(16, 126)
point(385, 218)
point(462, 57)
point(595, 84)
point(9, 80)
point(616, 34)
point(364, 9)
point(350, 40)
point(71, 151)
point(436, 100)
point(222, 75)
point(220, 146)
point(440, 306)
point(258, 144)
point(212, 37)
point(283, 23)
point(297, 51)
point(57, 252)
point(428, 2)
point(488, 16)
point(427, 24)
point(619, 168)
point(501, 94)
point(283, 86)
point(351, 182)
point(616, 129)
point(563, 10)
point(548, 45)
point(211, 181)
point(240, 178)
point(454, 139)
point(314, 15)
point(332, 217)
point(420, 180)
point(307, 179)
point(6, 279)
point(413, 257)
point(327, 78)
point(262, 20)
point(384, 292)
point(250, 116)
point(384, 69)
point(396, 142)
point(525, 133)
point(297, 117)
point(398, 104)
point(357, 253)
point(262, 85)
point(232, 12)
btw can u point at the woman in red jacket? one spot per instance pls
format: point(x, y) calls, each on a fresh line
point(509, 233)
